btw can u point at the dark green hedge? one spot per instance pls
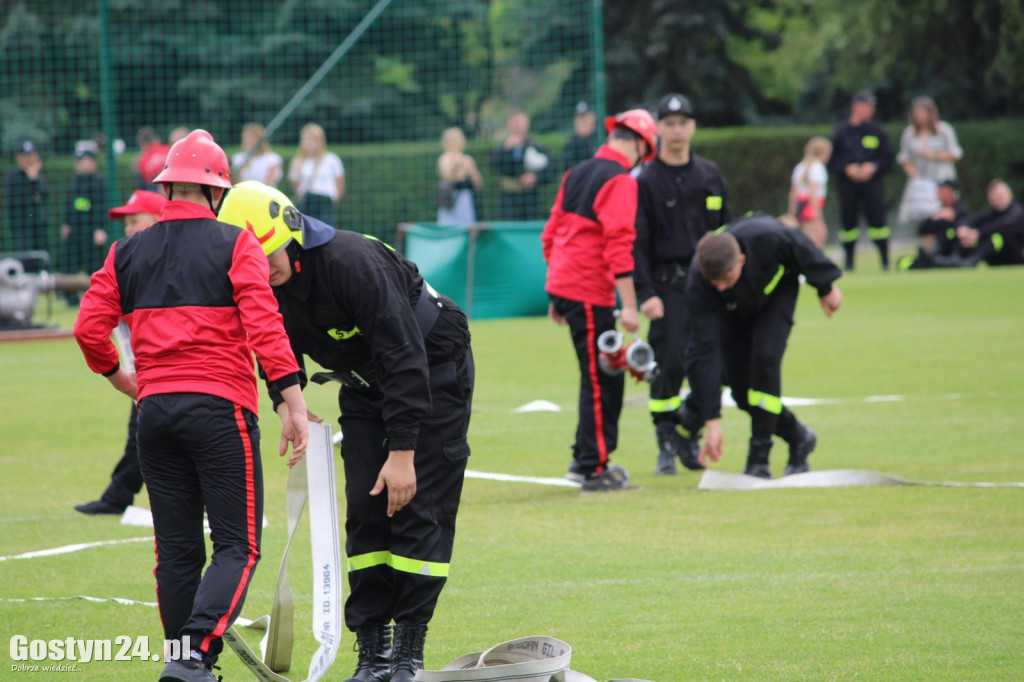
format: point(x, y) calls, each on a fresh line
point(389, 184)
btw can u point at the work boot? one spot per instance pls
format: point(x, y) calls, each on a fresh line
point(799, 449)
point(689, 428)
point(408, 657)
point(757, 458)
point(189, 670)
point(668, 448)
point(373, 642)
point(98, 507)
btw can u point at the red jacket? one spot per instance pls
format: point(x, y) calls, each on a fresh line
point(196, 295)
point(588, 241)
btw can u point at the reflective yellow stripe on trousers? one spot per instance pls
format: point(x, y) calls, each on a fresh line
point(666, 405)
point(399, 563)
point(768, 403)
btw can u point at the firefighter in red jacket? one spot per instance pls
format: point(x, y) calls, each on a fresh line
point(588, 246)
point(195, 294)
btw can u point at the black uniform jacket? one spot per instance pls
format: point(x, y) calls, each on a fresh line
point(676, 206)
point(774, 254)
point(351, 307)
point(867, 142)
point(1005, 229)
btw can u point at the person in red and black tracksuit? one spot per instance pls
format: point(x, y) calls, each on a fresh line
point(682, 196)
point(195, 295)
point(401, 352)
point(742, 290)
point(861, 155)
point(588, 246)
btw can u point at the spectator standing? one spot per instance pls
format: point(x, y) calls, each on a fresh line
point(256, 161)
point(317, 175)
point(583, 143)
point(142, 210)
point(25, 193)
point(178, 133)
point(861, 155)
point(928, 153)
point(682, 196)
point(84, 230)
point(809, 189)
point(588, 246)
point(151, 159)
point(523, 167)
point(458, 181)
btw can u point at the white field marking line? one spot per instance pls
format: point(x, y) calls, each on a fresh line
point(562, 585)
point(240, 622)
point(487, 476)
point(78, 547)
point(761, 578)
point(83, 597)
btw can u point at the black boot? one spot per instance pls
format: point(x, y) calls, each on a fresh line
point(690, 426)
point(757, 458)
point(799, 449)
point(408, 656)
point(668, 447)
point(373, 642)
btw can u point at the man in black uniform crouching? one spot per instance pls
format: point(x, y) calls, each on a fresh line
point(742, 290)
point(681, 197)
point(401, 352)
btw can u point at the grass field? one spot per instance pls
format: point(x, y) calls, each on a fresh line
point(665, 583)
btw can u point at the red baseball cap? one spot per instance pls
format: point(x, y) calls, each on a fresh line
point(141, 201)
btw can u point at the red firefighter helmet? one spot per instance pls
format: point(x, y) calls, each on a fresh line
point(640, 122)
point(196, 159)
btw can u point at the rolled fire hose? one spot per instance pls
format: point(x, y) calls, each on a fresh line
point(537, 658)
point(311, 479)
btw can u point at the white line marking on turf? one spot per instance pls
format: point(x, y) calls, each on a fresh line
point(78, 547)
point(83, 597)
point(561, 482)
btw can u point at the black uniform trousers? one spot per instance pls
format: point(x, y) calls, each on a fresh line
point(600, 402)
point(870, 195)
point(126, 479)
point(669, 338)
point(752, 359)
point(201, 451)
point(398, 566)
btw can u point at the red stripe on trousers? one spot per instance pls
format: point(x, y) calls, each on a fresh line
point(595, 387)
point(250, 519)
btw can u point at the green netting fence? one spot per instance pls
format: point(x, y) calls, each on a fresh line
point(383, 79)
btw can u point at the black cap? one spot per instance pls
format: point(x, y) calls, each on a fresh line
point(583, 108)
point(674, 104)
point(27, 147)
point(865, 96)
point(951, 183)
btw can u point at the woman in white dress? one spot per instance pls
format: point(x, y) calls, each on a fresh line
point(256, 163)
point(928, 151)
point(458, 181)
point(317, 175)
